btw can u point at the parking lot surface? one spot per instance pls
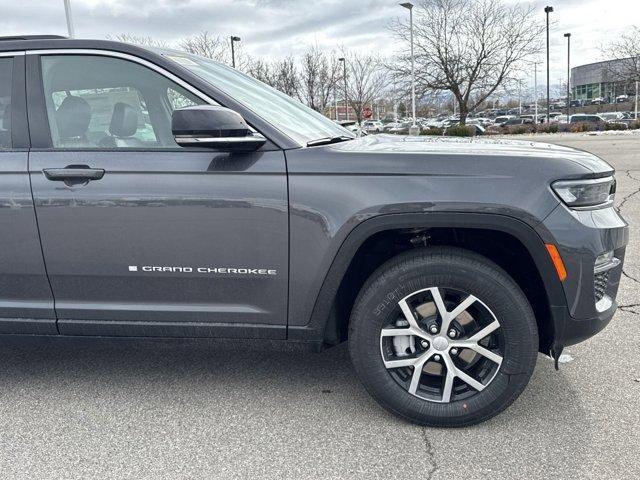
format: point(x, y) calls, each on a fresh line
point(235, 410)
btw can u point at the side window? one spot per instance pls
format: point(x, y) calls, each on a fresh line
point(6, 75)
point(98, 102)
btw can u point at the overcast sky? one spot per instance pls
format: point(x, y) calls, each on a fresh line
point(276, 28)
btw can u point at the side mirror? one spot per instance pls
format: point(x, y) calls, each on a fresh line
point(216, 127)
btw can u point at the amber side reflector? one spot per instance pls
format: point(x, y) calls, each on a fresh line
point(557, 261)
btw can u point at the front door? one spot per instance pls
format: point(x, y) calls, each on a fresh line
point(140, 236)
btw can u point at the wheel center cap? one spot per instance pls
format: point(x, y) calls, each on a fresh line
point(440, 344)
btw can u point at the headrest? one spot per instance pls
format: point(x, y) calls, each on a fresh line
point(6, 118)
point(124, 121)
point(73, 117)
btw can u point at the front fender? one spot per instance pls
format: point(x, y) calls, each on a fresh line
point(321, 304)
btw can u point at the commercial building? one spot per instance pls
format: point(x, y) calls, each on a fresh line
point(600, 80)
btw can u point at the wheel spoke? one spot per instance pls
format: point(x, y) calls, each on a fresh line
point(468, 379)
point(401, 362)
point(446, 316)
point(448, 386)
point(437, 299)
point(400, 332)
point(487, 353)
point(417, 370)
point(466, 303)
point(492, 327)
point(408, 314)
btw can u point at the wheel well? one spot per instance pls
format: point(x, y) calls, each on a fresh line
point(500, 247)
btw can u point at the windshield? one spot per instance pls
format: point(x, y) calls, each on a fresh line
point(291, 117)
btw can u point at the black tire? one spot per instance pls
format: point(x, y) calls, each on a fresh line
point(462, 271)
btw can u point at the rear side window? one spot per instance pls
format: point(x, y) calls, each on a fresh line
point(6, 75)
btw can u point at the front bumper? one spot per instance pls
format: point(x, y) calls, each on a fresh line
point(581, 237)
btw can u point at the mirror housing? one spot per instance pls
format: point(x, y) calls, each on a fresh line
point(211, 126)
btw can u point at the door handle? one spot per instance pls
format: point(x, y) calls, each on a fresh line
point(74, 172)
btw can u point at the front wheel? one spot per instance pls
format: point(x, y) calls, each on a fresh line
point(443, 337)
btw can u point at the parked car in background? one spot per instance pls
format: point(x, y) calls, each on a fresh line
point(372, 126)
point(483, 121)
point(517, 121)
point(597, 101)
point(584, 118)
point(622, 98)
point(387, 127)
point(597, 120)
point(612, 116)
point(500, 120)
point(401, 128)
point(561, 119)
point(576, 103)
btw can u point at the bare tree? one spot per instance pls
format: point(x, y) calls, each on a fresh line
point(284, 77)
point(258, 69)
point(624, 56)
point(366, 80)
point(319, 75)
point(208, 45)
point(468, 46)
point(137, 40)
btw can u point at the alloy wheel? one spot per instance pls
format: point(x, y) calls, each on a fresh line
point(443, 345)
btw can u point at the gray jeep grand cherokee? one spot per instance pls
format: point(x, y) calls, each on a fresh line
point(159, 194)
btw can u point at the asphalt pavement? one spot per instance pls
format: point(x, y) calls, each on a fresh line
point(166, 410)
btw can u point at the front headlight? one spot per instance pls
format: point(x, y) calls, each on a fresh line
point(586, 194)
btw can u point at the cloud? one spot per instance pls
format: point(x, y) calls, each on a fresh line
point(276, 28)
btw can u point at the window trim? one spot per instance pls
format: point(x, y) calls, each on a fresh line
point(19, 135)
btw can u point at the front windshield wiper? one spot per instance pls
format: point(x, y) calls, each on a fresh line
point(329, 140)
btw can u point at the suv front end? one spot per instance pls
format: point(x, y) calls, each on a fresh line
point(591, 237)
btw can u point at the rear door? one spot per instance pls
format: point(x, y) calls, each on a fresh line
point(140, 236)
point(26, 303)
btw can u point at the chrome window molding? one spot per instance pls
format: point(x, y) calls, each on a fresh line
point(12, 54)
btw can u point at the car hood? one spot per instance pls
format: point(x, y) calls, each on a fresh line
point(460, 150)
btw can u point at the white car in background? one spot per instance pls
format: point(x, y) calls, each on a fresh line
point(372, 126)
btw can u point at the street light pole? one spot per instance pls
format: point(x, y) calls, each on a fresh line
point(535, 90)
point(568, 37)
point(414, 130)
point(346, 95)
point(636, 100)
point(67, 12)
point(519, 96)
point(233, 50)
point(548, 10)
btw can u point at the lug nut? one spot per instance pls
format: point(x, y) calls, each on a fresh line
point(452, 333)
point(436, 358)
point(454, 351)
point(424, 344)
point(433, 329)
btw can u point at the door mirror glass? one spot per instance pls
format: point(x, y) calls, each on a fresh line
point(213, 127)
